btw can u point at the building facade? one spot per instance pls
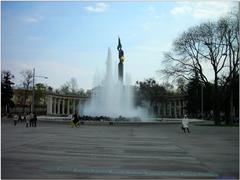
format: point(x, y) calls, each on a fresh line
point(54, 104)
point(169, 106)
point(48, 104)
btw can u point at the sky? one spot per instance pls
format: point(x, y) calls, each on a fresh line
point(64, 40)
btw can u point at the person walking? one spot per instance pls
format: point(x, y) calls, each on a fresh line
point(34, 120)
point(28, 117)
point(185, 124)
point(31, 120)
point(19, 118)
point(75, 121)
point(24, 117)
point(15, 119)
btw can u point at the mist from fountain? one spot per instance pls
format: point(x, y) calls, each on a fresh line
point(111, 97)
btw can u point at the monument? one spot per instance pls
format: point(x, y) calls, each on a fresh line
point(111, 97)
point(121, 59)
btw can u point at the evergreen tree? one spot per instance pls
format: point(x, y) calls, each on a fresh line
point(6, 91)
point(193, 96)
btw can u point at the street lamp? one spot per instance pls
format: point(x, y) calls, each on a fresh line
point(202, 100)
point(33, 92)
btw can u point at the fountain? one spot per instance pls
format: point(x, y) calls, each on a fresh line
point(112, 98)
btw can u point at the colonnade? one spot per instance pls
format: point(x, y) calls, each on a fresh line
point(63, 105)
point(172, 108)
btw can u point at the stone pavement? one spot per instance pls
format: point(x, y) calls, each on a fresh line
point(55, 150)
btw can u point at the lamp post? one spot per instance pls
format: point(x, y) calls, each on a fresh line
point(202, 100)
point(33, 91)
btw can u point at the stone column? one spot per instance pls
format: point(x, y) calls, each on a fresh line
point(58, 103)
point(68, 106)
point(184, 111)
point(49, 105)
point(159, 109)
point(74, 108)
point(179, 108)
point(78, 106)
point(63, 106)
point(175, 108)
point(54, 103)
point(170, 108)
point(164, 109)
point(51, 102)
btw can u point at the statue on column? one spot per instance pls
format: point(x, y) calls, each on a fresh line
point(121, 60)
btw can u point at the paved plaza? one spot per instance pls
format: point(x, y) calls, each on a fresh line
point(55, 150)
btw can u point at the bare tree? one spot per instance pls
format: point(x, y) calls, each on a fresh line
point(27, 78)
point(184, 61)
point(233, 44)
point(73, 85)
point(215, 43)
point(70, 87)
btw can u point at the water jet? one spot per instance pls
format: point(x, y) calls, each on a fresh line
point(112, 98)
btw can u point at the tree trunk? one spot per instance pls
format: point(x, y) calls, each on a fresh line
point(24, 101)
point(231, 108)
point(216, 111)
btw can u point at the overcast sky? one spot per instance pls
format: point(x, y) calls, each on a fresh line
point(70, 39)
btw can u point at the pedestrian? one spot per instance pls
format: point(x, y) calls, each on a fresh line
point(24, 118)
point(34, 120)
point(28, 117)
point(31, 120)
point(19, 118)
point(15, 119)
point(185, 123)
point(75, 120)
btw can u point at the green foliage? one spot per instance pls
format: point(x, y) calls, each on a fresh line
point(40, 93)
point(71, 88)
point(6, 91)
point(64, 89)
point(196, 94)
point(229, 93)
point(181, 86)
point(193, 96)
point(149, 90)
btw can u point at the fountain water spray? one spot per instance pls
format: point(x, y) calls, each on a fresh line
point(112, 98)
